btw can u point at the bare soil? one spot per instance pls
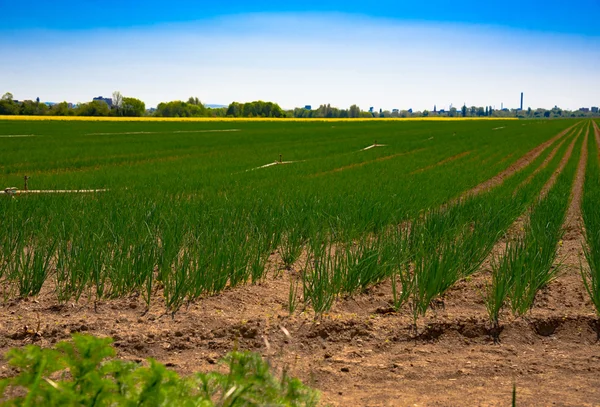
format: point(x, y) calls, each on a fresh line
point(361, 353)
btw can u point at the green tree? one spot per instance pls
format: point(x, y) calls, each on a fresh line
point(194, 101)
point(464, 110)
point(30, 108)
point(133, 107)
point(61, 109)
point(354, 111)
point(234, 109)
point(94, 108)
point(7, 105)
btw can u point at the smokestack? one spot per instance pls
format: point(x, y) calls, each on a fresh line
point(521, 100)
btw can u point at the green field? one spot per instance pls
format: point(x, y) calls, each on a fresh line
point(190, 212)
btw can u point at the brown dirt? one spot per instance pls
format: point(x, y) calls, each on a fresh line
point(361, 353)
point(521, 163)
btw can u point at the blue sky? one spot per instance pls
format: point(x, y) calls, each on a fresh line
point(383, 54)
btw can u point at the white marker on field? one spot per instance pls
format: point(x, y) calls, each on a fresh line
point(373, 146)
point(275, 163)
point(14, 191)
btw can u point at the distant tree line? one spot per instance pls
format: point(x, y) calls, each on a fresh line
point(121, 106)
point(193, 107)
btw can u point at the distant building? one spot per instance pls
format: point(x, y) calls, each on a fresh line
point(108, 101)
point(584, 110)
point(395, 110)
point(594, 109)
point(308, 107)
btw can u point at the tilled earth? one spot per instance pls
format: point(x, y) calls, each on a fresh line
point(361, 353)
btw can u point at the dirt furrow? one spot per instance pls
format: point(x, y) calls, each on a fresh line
point(521, 163)
point(544, 164)
point(355, 355)
point(573, 221)
point(560, 168)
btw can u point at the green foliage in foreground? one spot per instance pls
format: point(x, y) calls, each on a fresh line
point(83, 372)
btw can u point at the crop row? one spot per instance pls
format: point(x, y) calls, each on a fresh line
point(528, 262)
point(591, 219)
point(430, 254)
point(222, 225)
